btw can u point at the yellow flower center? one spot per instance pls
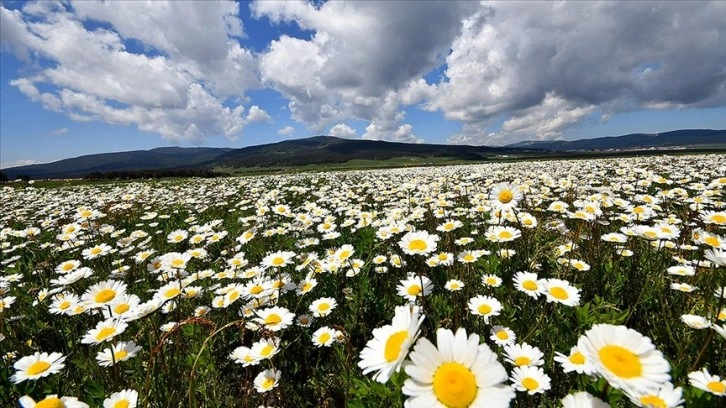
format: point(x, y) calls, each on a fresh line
point(559, 293)
point(417, 245)
point(105, 333)
point(121, 308)
point(267, 351)
point(484, 309)
point(96, 251)
point(172, 292)
point(653, 401)
point(621, 361)
point(344, 255)
point(306, 287)
point(268, 383)
point(505, 234)
point(67, 267)
point(502, 335)
point(468, 257)
point(718, 218)
point(50, 402)
point(121, 404)
point(414, 290)
point(105, 295)
point(717, 386)
point(64, 305)
point(324, 338)
point(529, 285)
point(713, 241)
point(491, 281)
point(442, 257)
point(393, 345)
point(38, 367)
point(278, 261)
point(522, 361)
point(273, 319)
point(233, 295)
point(577, 358)
point(505, 196)
point(256, 290)
point(530, 383)
point(177, 262)
point(323, 307)
point(455, 385)
point(120, 355)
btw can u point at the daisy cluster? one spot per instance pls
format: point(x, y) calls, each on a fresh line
point(574, 283)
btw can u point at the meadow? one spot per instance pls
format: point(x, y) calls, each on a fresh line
point(530, 284)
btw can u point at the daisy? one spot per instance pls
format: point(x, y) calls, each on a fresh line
point(385, 353)
point(502, 336)
point(119, 352)
point(177, 236)
point(418, 243)
point(583, 399)
point(528, 283)
point(560, 291)
point(491, 280)
point(274, 318)
point(460, 372)
point(485, 306)
point(96, 251)
point(105, 330)
point(504, 196)
point(502, 234)
point(323, 306)
point(122, 306)
point(453, 285)
point(324, 336)
point(243, 355)
point(530, 379)
point(5, 302)
point(414, 286)
point(523, 355)
point(72, 277)
point(278, 259)
point(63, 303)
point(127, 399)
point(695, 321)
point(267, 380)
point(67, 267)
point(575, 361)
point(38, 365)
point(681, 270)
point(52, 401)
point(103, 293)
point(707, 382)
point(665, 397)
point(626, 358)
point(265, 348)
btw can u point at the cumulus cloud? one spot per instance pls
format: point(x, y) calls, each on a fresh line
point(342, 130)
point(361, 61)
point(544, 67)
point(25, 162)
point(286, 131)
point(178, 87)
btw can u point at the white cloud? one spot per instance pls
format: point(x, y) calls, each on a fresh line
point(342, 130)
point(26, 162)
point(543, 67)
point(364, 61)
point(177, 88)
point(286, 131)
point(59, 131)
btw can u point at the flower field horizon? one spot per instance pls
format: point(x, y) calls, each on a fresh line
point(568, 283)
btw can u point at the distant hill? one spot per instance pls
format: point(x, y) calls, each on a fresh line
point(635, 141)
point(154, 159)
point(329, 150)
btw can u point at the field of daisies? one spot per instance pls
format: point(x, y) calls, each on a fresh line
point(535, 284)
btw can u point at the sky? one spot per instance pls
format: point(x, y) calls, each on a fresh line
point(82, 77)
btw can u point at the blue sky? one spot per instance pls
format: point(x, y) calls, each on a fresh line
point(85, 77)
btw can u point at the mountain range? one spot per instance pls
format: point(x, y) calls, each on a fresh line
point(328, 150)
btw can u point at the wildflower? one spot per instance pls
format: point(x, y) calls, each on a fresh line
point(460, 372)
point(324, 336)
point(385, 353)
point(105, 330)
point(523, 355)
point(414, 286)
point(626, 358)
point(418, 243)
point(560, 291)
point(52, 401)
point(707, 382)
point(583, 399)
point(485, 306)
point(126, 398)
point(38, 365)
point(530, 379)
point(119, 352)
point(323, 306)
point(267, 380)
